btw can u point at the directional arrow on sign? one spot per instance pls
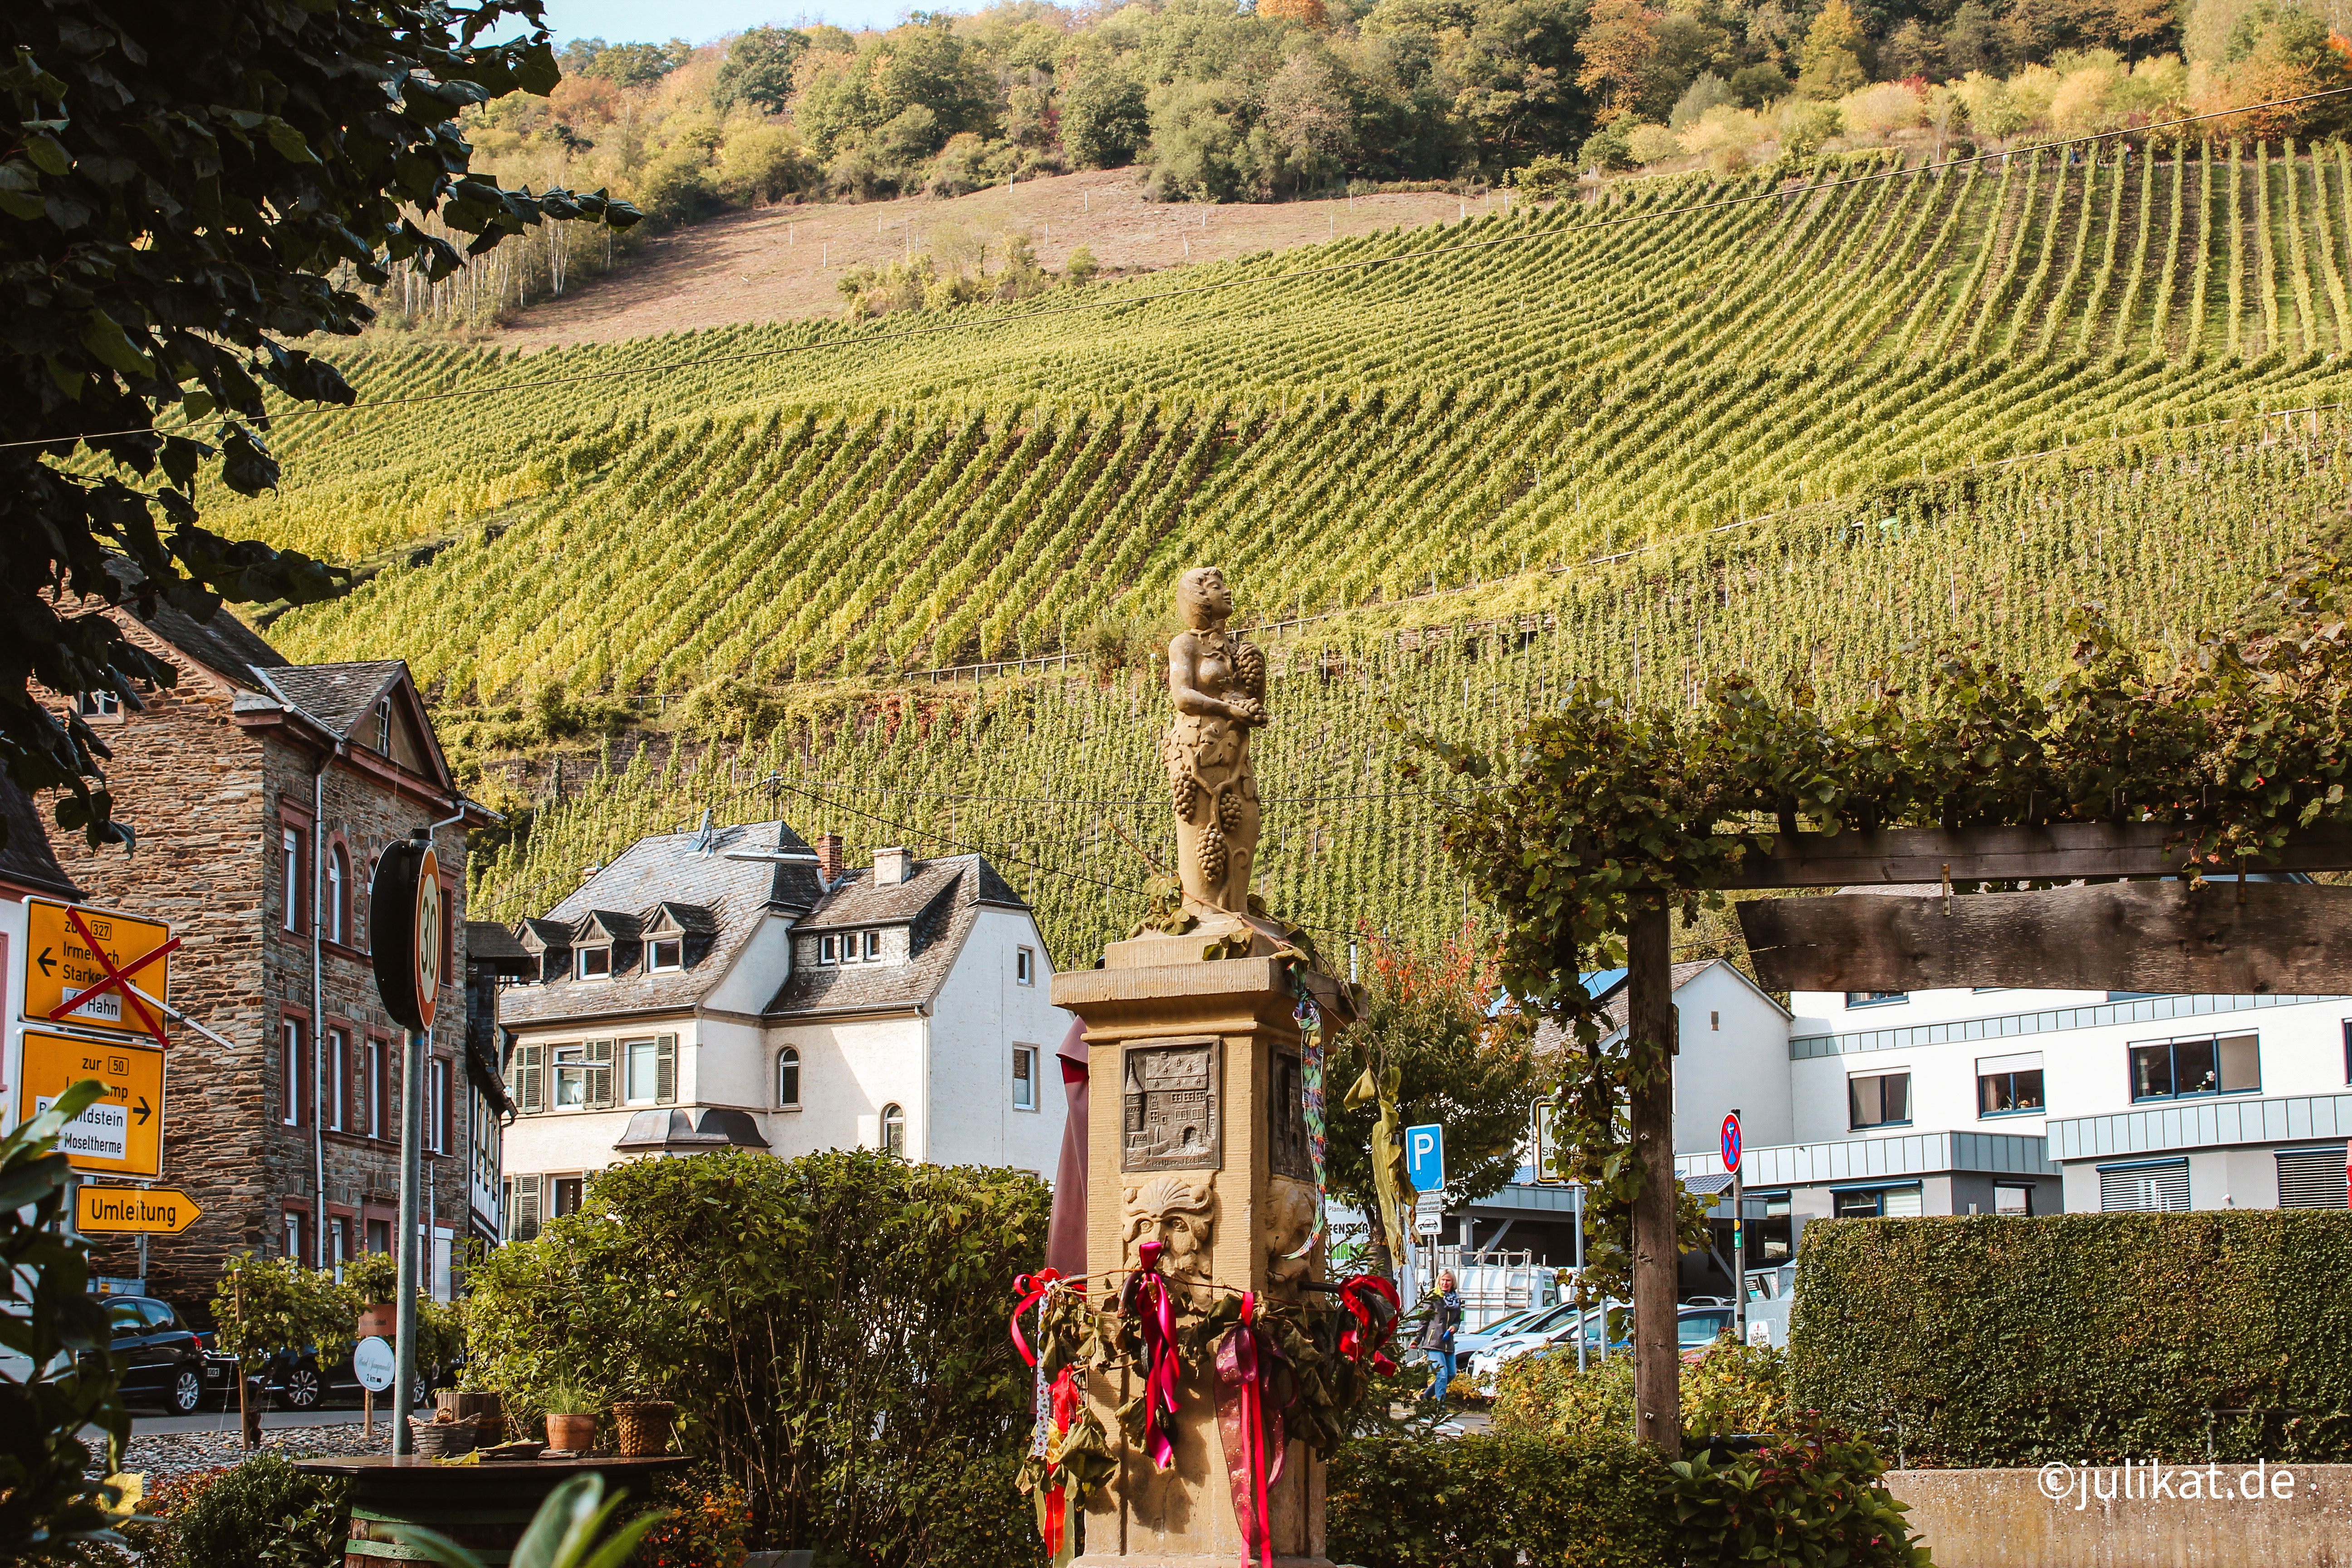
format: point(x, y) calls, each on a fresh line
point(144, 1110)
point(48, 966)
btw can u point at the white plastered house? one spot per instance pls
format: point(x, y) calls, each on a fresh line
point(738, 988)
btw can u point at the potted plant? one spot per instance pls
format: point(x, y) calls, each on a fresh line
point(374, 1278)
point(571, 1417)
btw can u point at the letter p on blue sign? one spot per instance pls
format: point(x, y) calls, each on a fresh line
point(1424, 1157)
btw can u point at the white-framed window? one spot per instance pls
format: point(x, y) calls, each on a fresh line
point(290, 1062)
point(571, 1074)
point(100, 705)
point(1024, 1078)
point(788, 1079)
point(665, 953)
point(436, 1105)
point(338, 879)
point(872, 942)
point(339, 1083)
point(828, 950)
point(2012, 1198)
point(374, 1115)
point(894, 1130)
point(640, 1063)
point(290, 855)
point(1025, 966)
point(384, 726)
point(294, 1229)
point(592, 963)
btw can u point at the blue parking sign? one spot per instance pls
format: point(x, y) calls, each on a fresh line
point(1424, 1157)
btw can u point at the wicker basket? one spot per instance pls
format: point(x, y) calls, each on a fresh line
point(441, 1439)
point(486, 1412)
point(642, 1427)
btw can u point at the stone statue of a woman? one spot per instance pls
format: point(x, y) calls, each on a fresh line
point(1218, 684)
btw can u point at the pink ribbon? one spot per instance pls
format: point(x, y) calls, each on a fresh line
point(1245, 1359)
point(1034, 1289)
point(1146, 1296)
point(1376, 1319)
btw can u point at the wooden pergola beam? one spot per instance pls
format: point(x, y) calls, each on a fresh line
point(2230, 939)
point(2060, 852)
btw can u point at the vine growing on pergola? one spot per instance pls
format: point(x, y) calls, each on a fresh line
point(1607, 815)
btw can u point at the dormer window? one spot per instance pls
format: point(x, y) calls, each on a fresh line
point(828, 950)
point(595, 963)
point(872, 941)
point(665, 953)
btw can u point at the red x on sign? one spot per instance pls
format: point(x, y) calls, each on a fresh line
point(77, 956)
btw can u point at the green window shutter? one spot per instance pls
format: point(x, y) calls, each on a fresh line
point(530, 1072)
point(600, 1075)
point(666, 1071)
point(522, 1218)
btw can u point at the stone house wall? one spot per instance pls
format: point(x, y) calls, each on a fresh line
point(210, 793)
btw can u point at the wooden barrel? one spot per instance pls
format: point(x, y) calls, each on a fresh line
point(489, 1534)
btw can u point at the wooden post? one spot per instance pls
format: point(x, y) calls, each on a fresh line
point(1657, 1368)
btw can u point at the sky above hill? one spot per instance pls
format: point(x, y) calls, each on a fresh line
point(699, 21)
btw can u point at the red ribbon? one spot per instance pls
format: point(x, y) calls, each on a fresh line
point(1057, 1496)
point(1245, 1361)
point(1146, 1296)
point(1376, 1319)
point(1033, 1289)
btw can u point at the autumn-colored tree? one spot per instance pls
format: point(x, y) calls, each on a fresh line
point(1829, 64)
point(1620, 36)
point(1307, 13)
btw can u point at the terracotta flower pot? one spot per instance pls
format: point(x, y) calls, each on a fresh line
point(574, 1433)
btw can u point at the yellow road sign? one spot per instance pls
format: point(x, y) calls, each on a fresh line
point(122, 1134)
point(78, 950)
point(134, 1211)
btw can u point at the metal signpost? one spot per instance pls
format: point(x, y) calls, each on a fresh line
point(405, 922)
point(1424, 1167)
point(1738, 1228)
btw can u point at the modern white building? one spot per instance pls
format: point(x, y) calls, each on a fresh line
point(740, 988)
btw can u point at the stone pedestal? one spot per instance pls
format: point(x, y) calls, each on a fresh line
point(1197, 1141)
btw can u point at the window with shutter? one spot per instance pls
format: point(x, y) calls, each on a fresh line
point(2158, 1188)
point(600, 1075)
point(530, 1071)
point(2312, 1178)
point(522, 1217)
point(666, 1071)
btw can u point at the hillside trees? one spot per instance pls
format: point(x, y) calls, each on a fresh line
point(183, 191)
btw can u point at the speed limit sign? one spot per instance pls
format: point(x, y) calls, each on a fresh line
point(405, 919)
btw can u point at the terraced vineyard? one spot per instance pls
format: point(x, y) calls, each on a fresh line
point(1789, 434)
point(1585, 378)
point(1057, 778)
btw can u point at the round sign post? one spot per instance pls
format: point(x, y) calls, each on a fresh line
point(1731, 1152)
point(373, 1364)
point(407, 921)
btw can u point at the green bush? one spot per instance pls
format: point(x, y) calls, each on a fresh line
point(1984, 1340)
point(1482, 1499)
point(1816, 1496)
point(1729, 1388)
point(831, 1329)
point(263, 1512)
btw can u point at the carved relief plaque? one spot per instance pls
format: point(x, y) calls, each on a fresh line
point(1285, 1119)
point(1173, 1120)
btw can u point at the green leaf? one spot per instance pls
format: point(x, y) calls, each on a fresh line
point(48, 155)
point(102, 335)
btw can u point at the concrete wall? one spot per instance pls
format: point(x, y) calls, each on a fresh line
point(1734, 1055)
point(2006, 1519)
point(851, 1069)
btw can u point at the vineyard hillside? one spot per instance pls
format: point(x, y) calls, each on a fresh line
point(1692, 425)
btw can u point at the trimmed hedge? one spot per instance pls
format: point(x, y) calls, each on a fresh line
point(1984, 1340)
point(1481, 1499)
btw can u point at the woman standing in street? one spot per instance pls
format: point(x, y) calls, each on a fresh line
point(1437, 1333)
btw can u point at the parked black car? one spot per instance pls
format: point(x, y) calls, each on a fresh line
point(165, 1363)
point(302, 1382)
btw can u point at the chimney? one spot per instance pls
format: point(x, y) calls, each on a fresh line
point(890, 866)
point(828, 857)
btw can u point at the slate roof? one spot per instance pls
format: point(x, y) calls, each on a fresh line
point(939, 902)
point(734, 875)
point(488, 942)
point(338, 695)
point(223, 644)
point(27, 859)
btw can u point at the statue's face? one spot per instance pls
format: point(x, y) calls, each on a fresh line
point(1215, 597)
point(1185, 1238)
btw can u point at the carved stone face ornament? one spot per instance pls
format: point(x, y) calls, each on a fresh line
point(1290, 1220)
point(1180, 1214)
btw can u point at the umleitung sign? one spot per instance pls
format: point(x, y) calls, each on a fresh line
point(134, 1211)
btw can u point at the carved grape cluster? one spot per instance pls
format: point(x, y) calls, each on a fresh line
point(1249, 669)
point(1229, 810)
point(1213, 855)
point(1188, 795)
